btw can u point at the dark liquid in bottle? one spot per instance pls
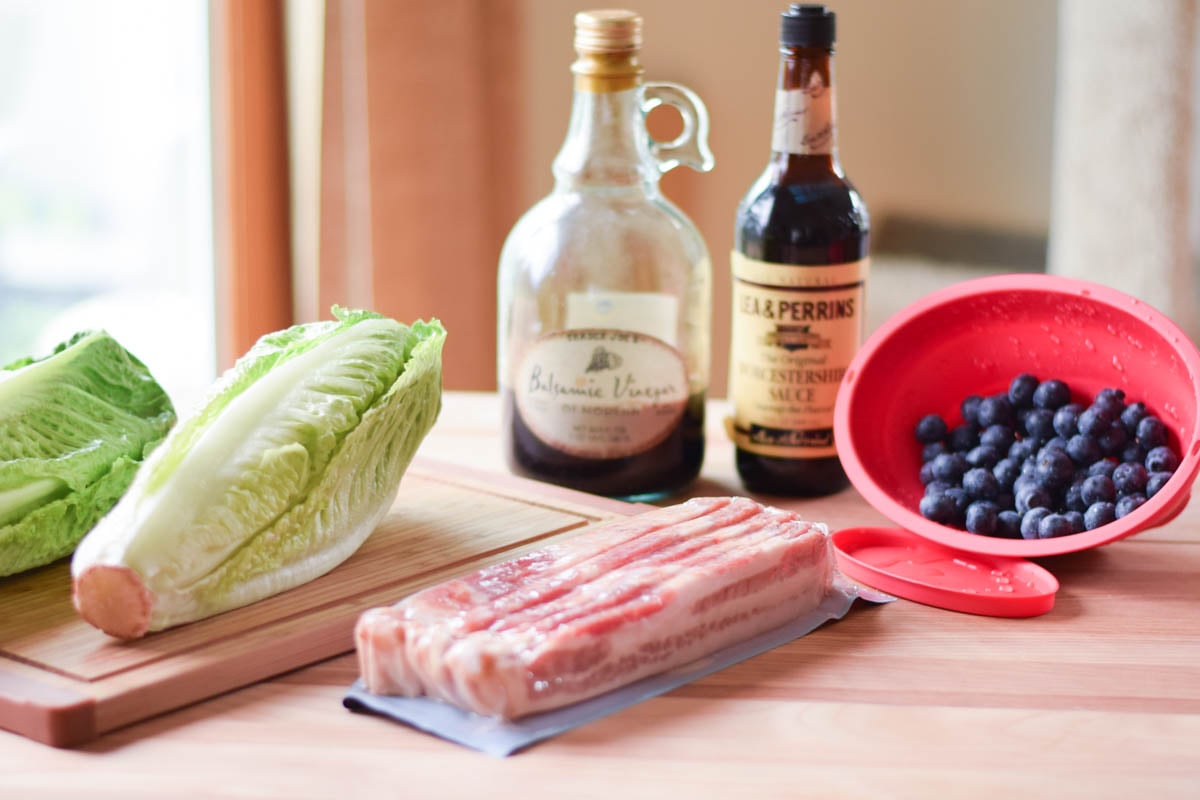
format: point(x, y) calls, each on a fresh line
point(651, 475)
point(801, 211)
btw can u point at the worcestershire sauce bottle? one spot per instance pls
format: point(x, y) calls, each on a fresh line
point(799, 270)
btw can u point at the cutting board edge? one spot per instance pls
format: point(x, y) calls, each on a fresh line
point(44, 706)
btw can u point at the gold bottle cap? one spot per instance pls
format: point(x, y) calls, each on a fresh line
point(608, 30)
point(607, 41)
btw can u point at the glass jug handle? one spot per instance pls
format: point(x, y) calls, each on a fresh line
point(690, 147)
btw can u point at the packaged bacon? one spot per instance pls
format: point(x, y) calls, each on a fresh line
point(627, 604)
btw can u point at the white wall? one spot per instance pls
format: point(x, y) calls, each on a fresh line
point(945, 107)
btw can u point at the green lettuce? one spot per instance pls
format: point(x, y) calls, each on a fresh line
point(282, 473)
point(74, 427)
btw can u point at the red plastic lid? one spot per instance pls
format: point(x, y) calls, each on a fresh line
point(904, 564)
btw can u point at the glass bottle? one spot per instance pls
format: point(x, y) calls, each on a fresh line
point(605, 290)
point(799, 270)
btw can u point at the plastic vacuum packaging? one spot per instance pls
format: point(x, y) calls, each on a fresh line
point(538, 644)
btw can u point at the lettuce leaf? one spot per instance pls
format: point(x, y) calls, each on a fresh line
point(74, 426)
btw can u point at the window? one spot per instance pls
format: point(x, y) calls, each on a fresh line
point(106, 182)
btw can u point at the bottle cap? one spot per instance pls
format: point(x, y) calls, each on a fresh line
point(808, 25)
point(607, 31)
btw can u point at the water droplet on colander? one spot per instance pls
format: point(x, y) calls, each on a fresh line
point(1089, 344)
point(1116, 362)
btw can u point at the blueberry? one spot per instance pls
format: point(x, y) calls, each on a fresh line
point(970, 409)
point(982, 517)
point(1005, 499)
point(1031, 497)
point(1073, 497)
point(1031, 521)
point(1156, 482)
point(1111, 398)
point(1007, 470)
point(1020, 391)
point(1022, 449)
point(1054, 525)
point(963, 438)
point(995, 410)
point(1076, 520)
point(937, 487)
point(1129, 503)
point(1039, 423)
point(1066, 419)
point(1054, 468)
point(1057, 443)
point(1113, 440)
point(949, 467)
point(926, 473)
point(1151, 432)
point(1095, 420)
point(931, 428)
point(1028, 466)
point(983, 456)
point(980, 484)
point(1099, 514)
point(1098, 489)
point(932, 451)
point(960, 498)
point(1131, 416)
point(1051, 394)
point(1162, 459)
point(1133, 453)
point(1129, 478)
point(939, 508)
point(1104, 466)
point(1083, 449)
point(1008, 524)
point(998, 436)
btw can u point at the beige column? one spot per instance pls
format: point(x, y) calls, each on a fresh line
point(1122, 150)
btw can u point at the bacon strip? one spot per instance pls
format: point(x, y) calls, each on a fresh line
point(623, 601)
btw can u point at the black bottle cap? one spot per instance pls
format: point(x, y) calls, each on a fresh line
point(808, 25)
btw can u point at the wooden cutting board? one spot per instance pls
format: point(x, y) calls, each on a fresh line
point(63, 682)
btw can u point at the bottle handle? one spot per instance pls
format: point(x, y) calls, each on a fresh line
point(690, 147)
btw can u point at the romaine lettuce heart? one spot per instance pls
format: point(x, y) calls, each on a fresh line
point(280, 475)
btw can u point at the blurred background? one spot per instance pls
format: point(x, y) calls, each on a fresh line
point(190, 175)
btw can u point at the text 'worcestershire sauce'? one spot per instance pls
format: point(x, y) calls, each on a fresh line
point(799, 271)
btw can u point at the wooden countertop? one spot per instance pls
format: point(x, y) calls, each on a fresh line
point(1099, 698)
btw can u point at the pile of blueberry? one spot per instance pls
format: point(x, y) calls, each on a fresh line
point(1031, 464)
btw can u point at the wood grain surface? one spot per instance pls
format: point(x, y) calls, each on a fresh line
point(1100, 698)
point(64, 682)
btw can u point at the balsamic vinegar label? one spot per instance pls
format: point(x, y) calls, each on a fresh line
point(601, 393)
point(794, 332)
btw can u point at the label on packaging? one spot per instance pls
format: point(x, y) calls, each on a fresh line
point(804, 119)
point(599, 392)
point(650, 313)
point(794, 332)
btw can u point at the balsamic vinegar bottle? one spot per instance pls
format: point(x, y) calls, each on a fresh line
point(605, 290)
point(799, 271)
